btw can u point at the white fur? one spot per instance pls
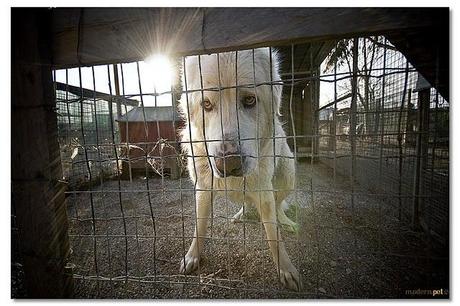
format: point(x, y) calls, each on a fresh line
point(268, 165)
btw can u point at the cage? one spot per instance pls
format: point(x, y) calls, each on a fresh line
point(365, 111)
point(84, 120)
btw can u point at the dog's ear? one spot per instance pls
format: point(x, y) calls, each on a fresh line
point(190, 72)
point(183, 111)
point(188, 76)
point(276, 79)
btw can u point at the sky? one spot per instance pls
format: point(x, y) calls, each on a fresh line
point(148, 76)
point(327, 90)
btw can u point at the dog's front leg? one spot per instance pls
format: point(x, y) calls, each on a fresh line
point(288, 274)
point(203, 206)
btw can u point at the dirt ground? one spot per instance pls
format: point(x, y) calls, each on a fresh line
point(348, 246)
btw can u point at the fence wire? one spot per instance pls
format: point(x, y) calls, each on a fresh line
point(370, 141)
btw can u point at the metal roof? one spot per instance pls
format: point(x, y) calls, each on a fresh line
point(159, 113)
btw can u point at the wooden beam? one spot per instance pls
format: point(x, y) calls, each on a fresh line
point(427, 49)
point(93, 36)
point(37, 195)
point(90, 94)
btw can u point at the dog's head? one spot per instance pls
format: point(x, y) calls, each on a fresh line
point(231, 103)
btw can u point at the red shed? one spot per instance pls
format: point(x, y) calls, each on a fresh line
point(150, 134)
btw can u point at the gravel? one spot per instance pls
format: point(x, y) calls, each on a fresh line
point(347, 246)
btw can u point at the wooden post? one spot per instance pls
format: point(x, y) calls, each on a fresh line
point(421, 155)
point(354, 98)
point(117, 89)
point(37, 195)
point(315, 113)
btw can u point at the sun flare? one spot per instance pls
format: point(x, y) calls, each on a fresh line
point(161, 71)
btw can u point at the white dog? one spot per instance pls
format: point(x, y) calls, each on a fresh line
point(236, 145)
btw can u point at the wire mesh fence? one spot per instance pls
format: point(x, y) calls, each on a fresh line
point(387, 130)
point(370, 200)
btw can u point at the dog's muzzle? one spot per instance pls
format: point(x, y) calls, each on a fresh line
point(229, 165)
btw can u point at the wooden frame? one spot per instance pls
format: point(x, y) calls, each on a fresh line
point(37, 194)
point(92, 36)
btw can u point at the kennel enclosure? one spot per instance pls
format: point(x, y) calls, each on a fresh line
point(372, 155)
point(84, 118)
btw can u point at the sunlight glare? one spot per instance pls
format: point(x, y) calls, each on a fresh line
point(161, 71)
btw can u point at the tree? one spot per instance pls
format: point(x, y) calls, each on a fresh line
point(371, 54)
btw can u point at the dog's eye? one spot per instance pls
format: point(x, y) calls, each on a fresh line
point(249, 101)
point(207, 105)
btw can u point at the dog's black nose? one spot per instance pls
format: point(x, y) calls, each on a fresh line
point(229, 164)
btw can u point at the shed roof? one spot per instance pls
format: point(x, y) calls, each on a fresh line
point(158, 113)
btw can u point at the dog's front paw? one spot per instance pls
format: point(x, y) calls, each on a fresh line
point(238, 217)
point(189, 264)
point(290, 278)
